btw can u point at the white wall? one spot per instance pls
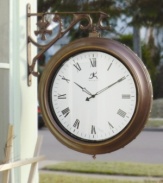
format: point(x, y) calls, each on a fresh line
point(4, 78)
point(18, 102)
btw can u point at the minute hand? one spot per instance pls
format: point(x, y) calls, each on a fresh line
point(93, 96)
point(119, 80)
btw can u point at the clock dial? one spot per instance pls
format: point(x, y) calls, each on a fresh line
point(93, 96)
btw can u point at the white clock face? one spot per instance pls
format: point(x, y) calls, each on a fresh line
point(93, 96)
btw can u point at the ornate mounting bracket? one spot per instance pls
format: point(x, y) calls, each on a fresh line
point(43, 25)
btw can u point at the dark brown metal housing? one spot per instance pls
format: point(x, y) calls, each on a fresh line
point(143, 85)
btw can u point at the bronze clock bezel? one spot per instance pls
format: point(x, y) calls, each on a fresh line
point(142, 82)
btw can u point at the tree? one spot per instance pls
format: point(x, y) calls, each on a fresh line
point(150, 57)
point(147, 13)
point(107, 6)
point(140, 13)
point(126, 39)
point(159, 83)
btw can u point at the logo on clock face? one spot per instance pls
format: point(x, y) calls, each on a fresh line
point(93, 76)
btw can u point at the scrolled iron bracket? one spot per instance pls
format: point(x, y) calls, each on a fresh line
point(42, 31)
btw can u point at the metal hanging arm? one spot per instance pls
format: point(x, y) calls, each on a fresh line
point(43, 24)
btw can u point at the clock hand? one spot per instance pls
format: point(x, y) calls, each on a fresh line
point(83, 89)
point(93, 96)
point(119, 80)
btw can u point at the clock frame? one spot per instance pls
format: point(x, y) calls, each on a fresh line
point(141, 79)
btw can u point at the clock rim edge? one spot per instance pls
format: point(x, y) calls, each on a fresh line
point(142, 82)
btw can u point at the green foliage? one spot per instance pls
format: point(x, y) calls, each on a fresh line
point(150, 55)
point(145, 12)
point(154, 123)
point(108, 6)
point(148, 60)
point(156, 112)
point(151, 58)
point(59, 5)
point(159, 84)
point(126, 39)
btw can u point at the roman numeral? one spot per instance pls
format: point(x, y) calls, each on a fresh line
point(62, 96)
point(93, 130)
point(77, 66)
point(93, 62)
point(126, 96)
point(63, 78)
point(66, 111)
point(121, 113)
point(76, 124)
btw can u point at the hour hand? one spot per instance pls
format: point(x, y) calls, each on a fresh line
point(83, 89)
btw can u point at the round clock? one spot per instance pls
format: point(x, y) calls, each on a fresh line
point(95, 95)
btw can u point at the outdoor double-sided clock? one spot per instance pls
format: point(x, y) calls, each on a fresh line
point(95, 95)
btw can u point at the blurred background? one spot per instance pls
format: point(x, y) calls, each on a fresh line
point(136, 23)
point(139, 25)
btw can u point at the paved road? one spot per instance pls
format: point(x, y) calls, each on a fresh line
point(146, 148)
